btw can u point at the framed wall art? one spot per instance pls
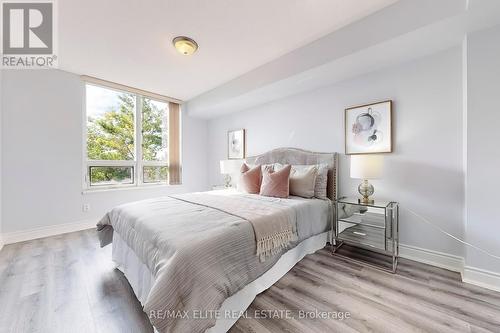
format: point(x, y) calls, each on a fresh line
point(236, 144)
point(368, 128)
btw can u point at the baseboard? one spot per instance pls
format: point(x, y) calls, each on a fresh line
point(482, 278)
point(434, 258)
point(41, 232)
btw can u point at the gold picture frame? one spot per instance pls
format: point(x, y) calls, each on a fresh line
point(368, 128)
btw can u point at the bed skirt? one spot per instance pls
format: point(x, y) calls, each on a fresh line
point(141, 279)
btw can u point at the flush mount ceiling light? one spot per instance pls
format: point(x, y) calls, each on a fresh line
point(185, 45)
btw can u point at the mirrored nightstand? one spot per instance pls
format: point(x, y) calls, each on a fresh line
point(372, 227)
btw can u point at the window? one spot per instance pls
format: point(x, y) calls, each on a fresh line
point(132, 137)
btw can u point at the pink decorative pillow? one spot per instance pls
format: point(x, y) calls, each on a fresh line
point(250, 179)
point(276, 184)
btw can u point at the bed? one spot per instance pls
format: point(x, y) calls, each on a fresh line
point(190, 258)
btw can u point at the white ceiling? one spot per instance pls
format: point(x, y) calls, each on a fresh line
point(129, 41)
point(404, 31)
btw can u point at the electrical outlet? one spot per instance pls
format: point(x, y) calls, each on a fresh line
point(86, 208)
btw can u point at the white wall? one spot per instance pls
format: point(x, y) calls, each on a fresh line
point(483, 152)
point(425, 172)
point(42, 153)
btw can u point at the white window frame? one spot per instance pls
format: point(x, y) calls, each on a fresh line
point(137, 164)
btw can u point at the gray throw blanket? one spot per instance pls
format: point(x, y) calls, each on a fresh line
point(198, 255)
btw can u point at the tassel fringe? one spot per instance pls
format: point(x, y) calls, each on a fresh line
point(269, 246)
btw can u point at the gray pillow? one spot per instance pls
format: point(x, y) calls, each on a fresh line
point(321, 182)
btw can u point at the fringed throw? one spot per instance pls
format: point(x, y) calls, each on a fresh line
point(271, 245)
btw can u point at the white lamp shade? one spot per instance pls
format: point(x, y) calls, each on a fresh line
point(228, 167)
point(366, 166)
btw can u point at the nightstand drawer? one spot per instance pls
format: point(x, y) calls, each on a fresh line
point(375, 219)
point(366, 236)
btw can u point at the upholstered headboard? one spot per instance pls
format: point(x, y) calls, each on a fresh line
point(303, 157)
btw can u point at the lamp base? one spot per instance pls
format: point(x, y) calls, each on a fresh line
point(366, 189)
point(227, 181)
point(366, 201)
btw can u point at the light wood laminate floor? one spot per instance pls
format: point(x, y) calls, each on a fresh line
point(67, 283)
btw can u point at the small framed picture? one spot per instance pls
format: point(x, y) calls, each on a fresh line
point(236, 144)
point(368, 128)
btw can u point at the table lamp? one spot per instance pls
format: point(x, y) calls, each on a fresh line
point(366, 167)
point(228, 168)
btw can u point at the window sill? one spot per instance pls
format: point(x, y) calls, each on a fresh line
point(128, 188)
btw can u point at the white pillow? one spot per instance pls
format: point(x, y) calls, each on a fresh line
point(303, 181)
point(321, 179)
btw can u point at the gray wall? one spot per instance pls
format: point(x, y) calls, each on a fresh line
point(42, 153)
point(483, 152)
point(425, 172)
